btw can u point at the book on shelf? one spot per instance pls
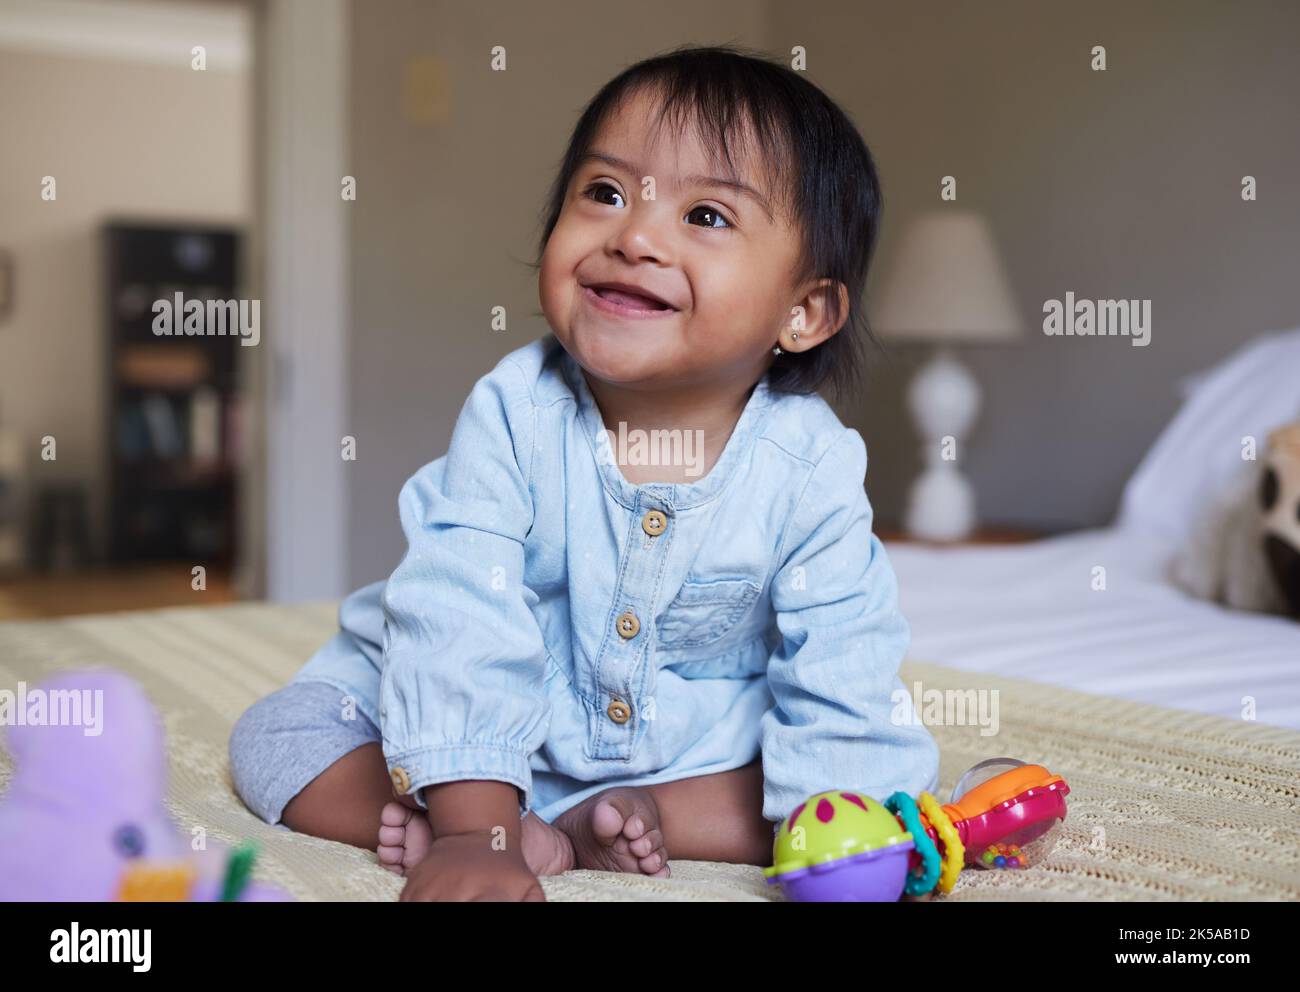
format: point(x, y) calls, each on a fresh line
point(205, 425)
point(163, 366)
point(165, 436)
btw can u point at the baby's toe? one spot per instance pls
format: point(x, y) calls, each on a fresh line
point(392, 836)
point(395, 815)
point(653, 863)
point(391, 858)
point(607, 822)
point(647, 843)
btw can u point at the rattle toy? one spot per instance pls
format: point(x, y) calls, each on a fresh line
point(843, 846)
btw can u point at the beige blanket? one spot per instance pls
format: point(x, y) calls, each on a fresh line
point(1163, 804)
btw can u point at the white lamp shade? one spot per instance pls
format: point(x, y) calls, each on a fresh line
point(947, 283)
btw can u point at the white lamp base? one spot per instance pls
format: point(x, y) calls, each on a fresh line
point(944, 399)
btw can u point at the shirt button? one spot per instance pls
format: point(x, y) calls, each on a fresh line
point(654, 523)
point(619, 711)
point(401, 780)
point(628, 625)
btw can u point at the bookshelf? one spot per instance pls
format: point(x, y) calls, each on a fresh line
point(174, 405)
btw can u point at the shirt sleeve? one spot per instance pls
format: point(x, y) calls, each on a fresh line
point(842, 719)
point(461, 692)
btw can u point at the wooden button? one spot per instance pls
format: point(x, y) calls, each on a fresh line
point(628, 625)
point(619, 711)
point(401, 780)
point(654, 523)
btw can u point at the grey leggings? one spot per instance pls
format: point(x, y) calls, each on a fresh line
point(283, 741)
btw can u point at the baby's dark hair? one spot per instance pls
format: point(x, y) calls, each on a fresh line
point(818, 168)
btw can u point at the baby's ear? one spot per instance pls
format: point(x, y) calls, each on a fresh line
point(838, 317)
point(814, 318)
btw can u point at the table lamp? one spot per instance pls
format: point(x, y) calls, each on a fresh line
point(946, 286)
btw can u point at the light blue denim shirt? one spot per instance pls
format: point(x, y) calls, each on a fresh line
point(546, 628)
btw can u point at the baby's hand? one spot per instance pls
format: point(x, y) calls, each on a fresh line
point(468, 868)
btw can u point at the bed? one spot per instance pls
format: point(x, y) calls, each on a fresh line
point(1165, 804)
point(1135, 696)
point(1030, 611)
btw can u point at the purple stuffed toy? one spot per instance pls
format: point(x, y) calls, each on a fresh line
point(83, 818)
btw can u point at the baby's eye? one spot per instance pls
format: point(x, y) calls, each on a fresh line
point(713, 213)
point(599, 186)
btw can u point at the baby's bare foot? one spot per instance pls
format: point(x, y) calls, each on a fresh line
point(405, 837)
point(617, 830)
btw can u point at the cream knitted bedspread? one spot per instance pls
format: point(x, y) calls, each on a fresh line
point(1163, 804)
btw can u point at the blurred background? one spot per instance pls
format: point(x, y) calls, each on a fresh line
point(206, 148)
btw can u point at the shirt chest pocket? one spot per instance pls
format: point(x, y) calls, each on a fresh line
point(704, 612)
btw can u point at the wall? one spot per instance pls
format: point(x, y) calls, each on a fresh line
point(122, 139)
point(1115, 184)
point(446, 215)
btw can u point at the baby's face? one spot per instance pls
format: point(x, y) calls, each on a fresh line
point(712, 252)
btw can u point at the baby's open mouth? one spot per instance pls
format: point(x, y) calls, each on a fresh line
point(633, 300)
point(625, 299)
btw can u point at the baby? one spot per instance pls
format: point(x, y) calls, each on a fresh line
point(642, 611)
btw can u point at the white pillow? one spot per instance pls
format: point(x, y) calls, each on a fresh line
point(1198, 455)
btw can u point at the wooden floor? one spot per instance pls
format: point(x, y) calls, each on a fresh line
point(108, 590)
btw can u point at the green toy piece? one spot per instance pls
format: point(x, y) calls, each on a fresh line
point(239, 870)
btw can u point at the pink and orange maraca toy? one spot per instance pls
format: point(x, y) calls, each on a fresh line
point(843, 846)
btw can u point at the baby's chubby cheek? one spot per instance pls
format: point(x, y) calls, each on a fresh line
point(736, 325)
point(561, 296)
point(558, 294)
